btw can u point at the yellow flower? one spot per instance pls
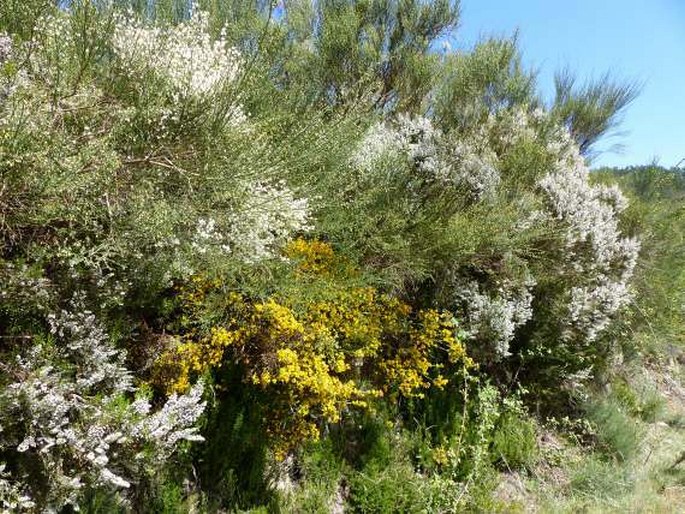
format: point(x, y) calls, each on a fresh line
point(315, 257)
point(440, 382)
point(344, 349)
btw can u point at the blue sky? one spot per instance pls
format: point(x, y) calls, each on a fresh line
point(634, 39)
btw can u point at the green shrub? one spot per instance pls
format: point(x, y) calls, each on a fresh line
point(618, 434)
point(642, 401)
point(514, 443)
point(320, 474)
point(600, 479)
point(394, 490)
point(129, 172)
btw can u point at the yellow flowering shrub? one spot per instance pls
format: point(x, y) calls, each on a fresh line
point(410, 365)
point(316, 359)
point(314, 257)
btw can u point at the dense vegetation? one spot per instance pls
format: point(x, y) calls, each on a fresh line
point(296, 258)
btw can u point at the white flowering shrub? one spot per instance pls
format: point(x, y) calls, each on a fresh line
point(12, 498)
point(493, 318)
point(5, 48)
point(166, 172)
point(54, 45)
point(511, 127)
point(6, 79)
point(185, 56)
point(594, 249)
point(66, 419)
point(577, 252)
point(257, 229)
point(269, 218)
point(457, 164)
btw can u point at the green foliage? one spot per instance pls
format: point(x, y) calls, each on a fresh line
point(393, 490)
point(596, 478)
point(641, 401)
point(233, 465)
point(658, 212)
point(514, 443)
point(618, 434)
point(592, 110)
point(320, 472)
point(489, 79)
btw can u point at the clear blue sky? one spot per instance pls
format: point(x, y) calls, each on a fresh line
point(634, 39)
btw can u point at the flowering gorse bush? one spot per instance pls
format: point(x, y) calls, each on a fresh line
point(309, 359)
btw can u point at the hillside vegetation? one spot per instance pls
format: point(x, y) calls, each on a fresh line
point(302, 258)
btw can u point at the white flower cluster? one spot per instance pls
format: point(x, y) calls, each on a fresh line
point(592, 306)
point(52, 48)
point(420, 142)
point(66, 409)
point(5, 48)
point(379, 142)
point(456, 163)
point(267, 221)
point(86, 344)
point(12, 498)
point(10, 79)
point(207, 235)
point(590, 219)
point(475, 172)
point(185, 55)
point(494, 317)
point(19, 287)
point(510, 127)
point(171, 424)
point(595, 249)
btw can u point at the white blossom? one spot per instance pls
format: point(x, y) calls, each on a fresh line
point(12, 495)
point(471, 171)
point(510, 127)
point(173, 422)
point(590, 215)
point(185, 54)
point(594, 248)
point(206, 234)
point(269, 217)
point(592, 307)
point(66, 409)
point(11, 79)
point(88, 346)
point(494, 317)
point(458, 163)
point(5, 47)
point(379, 141)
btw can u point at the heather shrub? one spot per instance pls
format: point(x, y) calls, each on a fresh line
point(68, 428)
